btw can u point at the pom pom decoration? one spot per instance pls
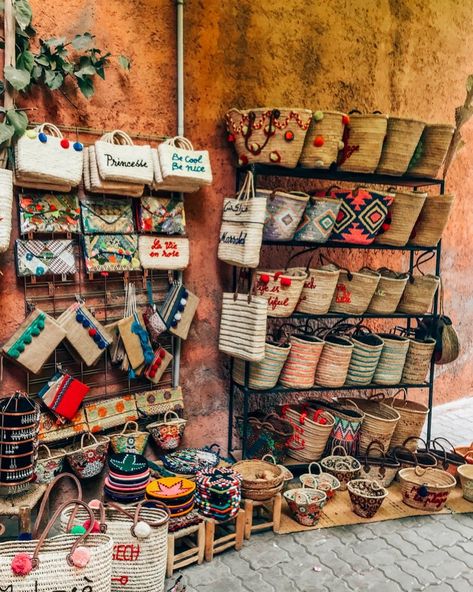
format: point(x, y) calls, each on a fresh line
point(142, 530)
point(231, 138)
point(42, 137)
point(423, 491)
point(264, 278)
point(275, 156)
point(92, 332)
point(95, 527)
point(95, 504)
point(345, 120)
point(80, 557)
point(318, 115)
point(319, 163)
point(319, 141)
point(65, 143)
point(254, 147)
point(178, 316)
point(78, 146)
point(341, 145)
point(242, 160)
point(277, 274)
point(21, 564)
point(289, 136)
point(286, 281)
point(78, 529)
point(31, 134)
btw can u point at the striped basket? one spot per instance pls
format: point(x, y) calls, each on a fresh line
point(265, 374)
point(363, 141)
point(402, 216)
point(402, 137)
point(364, 359)
point(354, 291)
point(431, 151)
point(432, 220)
point(318, 290)
point(392, 360)
point(301, 364)
point(323, 140)
point(282, 290)
point(334, 361)
point(388, 292)
point(418, 359)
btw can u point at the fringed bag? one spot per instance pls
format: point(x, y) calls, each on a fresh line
point(180, 163)
point(118, 159)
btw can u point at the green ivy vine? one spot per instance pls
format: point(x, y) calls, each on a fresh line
point(56, 60)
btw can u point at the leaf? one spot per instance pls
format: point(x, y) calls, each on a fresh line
point(86, 86)
point(18, 120)
point(54, 41)
point(469, 83)
point(23, 13)
point(42, 60)
point(25, 61)
point(19, 79)
point(124, 62)
point(82, 41)
point(87, 70)
point(37, 73)
point(53, 79)
point(6, 133)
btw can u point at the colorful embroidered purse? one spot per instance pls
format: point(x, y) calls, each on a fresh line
point(52, 430)
point(157, 402)
point(153, 320)
point(158, 366)
point(106, 215)
point(162, 215)
point(34, 341)
point(178, 310)
point(38, 258)
point(113, 252)
point(41, 212)
point(110, 413)
point(63, 395)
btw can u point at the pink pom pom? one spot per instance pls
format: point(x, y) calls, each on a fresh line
point(95, 504)
point(95, 527)
point(21, 564)
point(80, 557)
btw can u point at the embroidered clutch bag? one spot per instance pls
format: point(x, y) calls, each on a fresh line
point(107, 216)
point(52, 430)
point(110, 413)
point(178, 310)
point(162, 252)
point(38, 258)
point(113, 252)
point(157, 402)
point(162, 215)
point(47, 212)
point(63, 395)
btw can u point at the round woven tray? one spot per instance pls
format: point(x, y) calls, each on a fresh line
point(249, 469)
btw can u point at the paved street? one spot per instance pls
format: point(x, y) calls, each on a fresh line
point(433, 553)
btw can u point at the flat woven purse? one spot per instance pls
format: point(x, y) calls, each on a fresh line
point(41, 212)
point(38, 258)
point(106, 215)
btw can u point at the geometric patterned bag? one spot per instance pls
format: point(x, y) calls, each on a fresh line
point(38, 258)
point(162, 215)
point(41, 212)
point(105, 215)
point(318, 220)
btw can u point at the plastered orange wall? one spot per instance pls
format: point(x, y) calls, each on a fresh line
point(408, 57)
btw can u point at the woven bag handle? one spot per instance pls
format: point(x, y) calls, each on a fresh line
point(50, 127)
point(379, 445)
point(90, 435)
point(324, 259)
point(301, 497)
point(247, 190)
point(275, 113)
point(341, 448)
point(180, 142)
point(130, 423)
point(405, 401)
point(135, 516)
point(419, 439)
point(118, 137)
point(435, 442)
point(319, 468)
point(376, 397)
point(99, 506)
point(48, 450)
point(170, 412)
point(271, 459)
point(408, 451)
point(252, 289)
point(421, 259)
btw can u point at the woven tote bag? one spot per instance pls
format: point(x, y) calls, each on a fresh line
point(431, 150)
point(419, 294)
point(354, 291)
point(392, 360)
point(43, 154)
point(334, 361)
point(301, 364)
point(367, 349)
point(402, 137)
point(118, 159)
point(158, 184)
point(323, 140)
point(409, 427)
point(93, 183)
point(319, 286)
point(402, 215)
point(6, 203)
point(432, 220)
point(265, 374)
point(163, 252)
point(388, 292)
point(268, 136)
point(312, 429)
point(319, 219)
point(363, 139)
point(284, 211)
point(243, 326)
point(418, 360)
point(282, 290)
point(30, 183)
point(64, 562)
point(139, 536)
point(180, 163)
point(241, 232)
point(379, 423)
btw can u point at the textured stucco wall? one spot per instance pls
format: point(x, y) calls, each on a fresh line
point(409, 57)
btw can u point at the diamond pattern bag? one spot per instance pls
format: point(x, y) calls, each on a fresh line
point(38, 258)
point(162, 215)
point(319, 218)
point(107, 216)
point(41, 212)
point(112, 252)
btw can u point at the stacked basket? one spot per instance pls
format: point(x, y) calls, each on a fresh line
point(261, 480)
point(218, 493)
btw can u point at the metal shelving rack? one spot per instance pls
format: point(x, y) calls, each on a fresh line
point(262, 170)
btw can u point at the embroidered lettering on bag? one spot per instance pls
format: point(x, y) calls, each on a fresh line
point(238, 208)
point(116, 162)
point(191, 165)
point(167, 248)
point(343, 294)
point(129, 552)
point(231, 239)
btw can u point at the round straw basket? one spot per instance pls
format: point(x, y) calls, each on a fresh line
point(354, 291)
point(299, 369)
point(284, 211)
point(379, 423)
point(264, 374)
point(311, 436)
point(426, 489)
point(431, 151)
point(403, 214)
point(363, 138)
point(401, 140)
point(318, 290)
point(432, 220)
point(419, 294)
point(342, 466)
point(258, 474)
point(6, 201)
point(388, 292)
point(412, 420)
point(334, 361)
point(364, 359)
point(418, 360)
point(282, 290)
point(466, 479)
point(323, 140)
point(392, 359)
point(366, 496)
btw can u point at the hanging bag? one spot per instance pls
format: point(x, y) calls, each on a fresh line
point(107, 215)
point(161, 215)
point(180, 163)
point(133, 333)
point(111, 252)
point(93, 183)
point(49, 465)
point(402, 216)
point(6, 204)
point(159, 184)
point(88, 460)
point(39, 258)
point(284, 211)
point(178, 310)
point(164, 252)
point(420, 290)
point(323, 140)
point(63, 395)
point(129, 441)
point(168, 432)
point(41, 212)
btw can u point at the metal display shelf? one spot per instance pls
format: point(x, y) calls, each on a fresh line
point(262, 170)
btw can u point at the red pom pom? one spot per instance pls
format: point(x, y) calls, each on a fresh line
point(319, 141)
point(289, 136)
point(39, 207)
point(277, 274)
point(95, 527)
point(385, 227)
point(65, 143)
point(286, 281)
point(52, 208)
point(21, 564)
point(243, 159)
point(162, 353)
point(264, 278)
point(345, 120)
point(231, 138)
point(92, 332)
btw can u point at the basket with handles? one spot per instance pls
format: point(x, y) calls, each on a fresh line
point(118, 159)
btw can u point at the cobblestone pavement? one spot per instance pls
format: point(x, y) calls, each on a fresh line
point(433, 553)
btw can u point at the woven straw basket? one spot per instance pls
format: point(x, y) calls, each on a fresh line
point(431, 151)
point(283, 213)
point(418, 359)
point(342, 466)
point(366, 496)
point(180, 163)
point(6, 202)
point(426, 489)
point(310, 437)
point(388, 292)
point(379, 423)
point(318, 221)
point(252, 472)
point(412, 420)
point(419, 294)
point(282, 290)
point(265, 374)
point(268, 135)
point(392, 359)
point(382, 469)
point(118, 159)
point(301, 364)
point(403, 214)
point(178, 184)
point(363, 141)
point(334, 361)
point(323, 140)
point(93, 183)
point(318, 290)
point(432, 220)
point(364, 359)
point(354, 291)
point(402, 137)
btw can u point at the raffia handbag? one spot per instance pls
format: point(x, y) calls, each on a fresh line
point(118, 159)
point(431, 150)
point(243, 325)
point(163, 252)
point(107, 215)
point(379, 423)
point(420, 290)
point(402, 137)
point(180, 163)
point(265, 374)
point(131, 441)
point(159, 184)
point(267, 434)
point(426, 489)
point(319, 287)
point(323, 140)
point(312, 428)
point(402, 215)
point(282, 290)
point(43, 154)
point(418, 360)
point(393, 357)
point(88, 460)
point(381, 468)
point(6, 203)
point(93, 183)
point(43, 212)
point(413, 416)
point(367, 348)
point(354, 291)
point(388, 292)
point(268, 135)
point(241, 232)
point(318, 220)
point(284, 211)
point(168, 432)
point(432, 220)
point(334, 360)
point(363, 139)
point(301, 364)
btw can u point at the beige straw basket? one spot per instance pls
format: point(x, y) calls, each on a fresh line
point(282, 290)
point(264, 374)
point(431, 151)
point(432, 220)
point(6, 203)
point(402, 137)
point(379, 424)
point(363, 139)
point(418, 359)
point(354, 291)
point(419, 294)
point(334, 361)
point(426, 489)
point(392, 360)
point(301, 364)
point(258, 474)
point(388, 292)
point(318, 290)
point(412, 420)
point(465, 473)
point(323, 140)
point(310, 437)
point(403, 214)
point(342, 466)
point(284, 211)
